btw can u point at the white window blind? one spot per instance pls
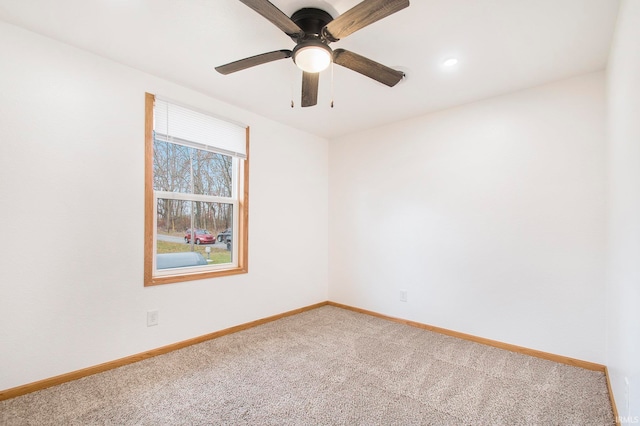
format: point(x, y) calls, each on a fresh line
point(184, 126)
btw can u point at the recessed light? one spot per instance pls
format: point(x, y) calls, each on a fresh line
point(448, 63)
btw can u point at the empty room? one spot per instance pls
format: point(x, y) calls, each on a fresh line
point(378, 212)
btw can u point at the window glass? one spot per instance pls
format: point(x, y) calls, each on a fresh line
point(198, 227)
point(179, 168)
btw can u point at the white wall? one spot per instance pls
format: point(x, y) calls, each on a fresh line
point(490, 215)
point(623, 295)
point(71, 194)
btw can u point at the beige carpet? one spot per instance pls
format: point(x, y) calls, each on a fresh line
point(323, 367)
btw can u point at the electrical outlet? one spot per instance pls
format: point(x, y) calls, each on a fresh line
point(152, 318)
point(403, 295)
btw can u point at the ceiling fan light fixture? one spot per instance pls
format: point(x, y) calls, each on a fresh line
point(312, 57)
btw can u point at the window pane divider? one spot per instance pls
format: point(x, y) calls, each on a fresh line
point(185, 196)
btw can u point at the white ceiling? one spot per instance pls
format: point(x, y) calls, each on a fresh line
point(502, 46)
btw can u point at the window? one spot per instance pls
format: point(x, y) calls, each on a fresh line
point(196, 194)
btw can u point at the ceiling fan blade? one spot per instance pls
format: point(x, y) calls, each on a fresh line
point(365, 13)
point(310, 88)
point(275, 16)
point(253, 61)
point(366, 66)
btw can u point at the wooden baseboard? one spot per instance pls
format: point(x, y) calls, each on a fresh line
point(501, 345)
point(74, 375)
point(611, 397)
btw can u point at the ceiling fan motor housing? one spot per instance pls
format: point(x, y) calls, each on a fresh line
point(311, 21)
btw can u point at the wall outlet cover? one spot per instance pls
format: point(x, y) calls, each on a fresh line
point(152, 318)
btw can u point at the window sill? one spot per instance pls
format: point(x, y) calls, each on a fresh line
point(192, 276)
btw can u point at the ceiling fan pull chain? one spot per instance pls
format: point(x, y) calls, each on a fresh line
point(331, 84)
point(293, 79)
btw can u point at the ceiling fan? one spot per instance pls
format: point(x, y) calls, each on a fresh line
point(313, 29)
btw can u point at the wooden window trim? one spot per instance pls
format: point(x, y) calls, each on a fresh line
point(243, 216)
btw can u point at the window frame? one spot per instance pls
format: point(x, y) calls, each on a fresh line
point(150, 197)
